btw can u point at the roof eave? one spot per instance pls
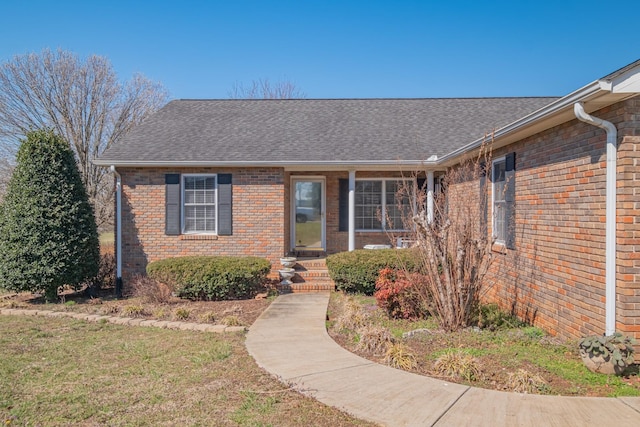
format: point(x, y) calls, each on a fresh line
point(294, 165)
point(595, 95)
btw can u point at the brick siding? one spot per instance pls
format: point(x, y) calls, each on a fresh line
point(258, 218)
point(556, 275)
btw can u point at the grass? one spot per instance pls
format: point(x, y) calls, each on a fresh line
point(522, 351)
point(68, 372)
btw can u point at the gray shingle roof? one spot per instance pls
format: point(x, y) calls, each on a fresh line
point(320, 130)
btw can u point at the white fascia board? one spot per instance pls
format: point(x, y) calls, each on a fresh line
point(287, 165)
point(627, 82)
point(557, 107)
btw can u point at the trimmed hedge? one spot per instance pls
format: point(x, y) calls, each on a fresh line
point(212, 277)
point(358, 270)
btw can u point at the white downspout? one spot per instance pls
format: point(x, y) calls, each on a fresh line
point(430, 188)
point(352, 210)
point(610, 226)
point(118, 231)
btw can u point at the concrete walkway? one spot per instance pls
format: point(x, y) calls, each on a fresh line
point(290, 341)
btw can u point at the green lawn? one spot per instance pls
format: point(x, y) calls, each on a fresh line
point(69, 372)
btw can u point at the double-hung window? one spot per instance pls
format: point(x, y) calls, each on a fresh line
point(499, 200)
point(199, 207)
point(381, 203)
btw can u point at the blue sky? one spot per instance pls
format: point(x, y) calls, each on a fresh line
point(339, 49)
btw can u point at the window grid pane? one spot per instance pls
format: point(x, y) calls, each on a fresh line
point(368, 205)
point(499, 183)
point(397, 208)
point(376, 207)
point(199, 204)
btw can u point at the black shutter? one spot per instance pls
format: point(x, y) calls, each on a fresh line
point(484, 205)
point(510, 200)
point(343, 205)
point(422, 186)
point(172, 204)
point(225, 205)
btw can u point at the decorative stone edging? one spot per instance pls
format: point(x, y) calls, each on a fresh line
point(129, 321)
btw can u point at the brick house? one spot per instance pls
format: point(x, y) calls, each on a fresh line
point(274, 177)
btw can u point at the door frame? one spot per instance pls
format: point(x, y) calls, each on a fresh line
point(323, 208)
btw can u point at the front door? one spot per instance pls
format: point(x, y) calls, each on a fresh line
point(307, 214)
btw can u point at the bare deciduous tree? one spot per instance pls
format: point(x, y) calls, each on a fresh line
point(453, 250)
point(81, 100)
point(264, 89)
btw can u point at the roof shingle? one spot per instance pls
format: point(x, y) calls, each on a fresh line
point(321, 130)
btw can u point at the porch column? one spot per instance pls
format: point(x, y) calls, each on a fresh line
point(352, 210)
point(430, 196)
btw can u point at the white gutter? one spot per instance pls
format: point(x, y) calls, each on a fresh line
point(549, 110)
point(610, 226)
point(324, 164)
point(118, 231)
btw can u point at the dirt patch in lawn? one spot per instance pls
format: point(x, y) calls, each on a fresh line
point(522, 359)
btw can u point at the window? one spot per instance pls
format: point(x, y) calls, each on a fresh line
point(199, 210)
point(499, 200)
point(378, 199)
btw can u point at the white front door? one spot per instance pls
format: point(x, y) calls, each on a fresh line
point(307, 214)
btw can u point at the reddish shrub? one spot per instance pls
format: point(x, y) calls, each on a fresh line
point(396, 293)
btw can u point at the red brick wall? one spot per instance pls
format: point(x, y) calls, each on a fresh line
point(261, 217)
point(258, 218)
point(628, 229)
point(556, 275)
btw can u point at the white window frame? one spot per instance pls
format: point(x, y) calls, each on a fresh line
point(494, 212)
point(384, 203)
point(183, 203)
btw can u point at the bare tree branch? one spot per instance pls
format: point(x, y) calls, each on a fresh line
point(82, 101)
point(264, 89)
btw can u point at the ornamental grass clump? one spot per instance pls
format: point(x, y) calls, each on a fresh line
point(457, 364)
point(399, 356)
point(523, 381)
point(352, 317)
point(374, 339)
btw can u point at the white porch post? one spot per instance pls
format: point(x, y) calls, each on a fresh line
point(430, 188)
point(352, 210)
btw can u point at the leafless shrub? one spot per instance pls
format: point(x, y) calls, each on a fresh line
point(151, 291)
point(453, 248)
point(106, 275)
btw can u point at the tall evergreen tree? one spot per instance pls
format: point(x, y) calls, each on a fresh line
point(48, 234)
